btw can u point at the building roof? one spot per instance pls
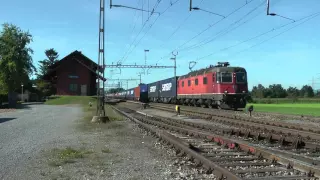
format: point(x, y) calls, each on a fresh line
point(75, 56)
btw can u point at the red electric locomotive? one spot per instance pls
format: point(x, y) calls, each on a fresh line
point(218, 86)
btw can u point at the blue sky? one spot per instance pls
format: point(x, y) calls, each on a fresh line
point(291, 59)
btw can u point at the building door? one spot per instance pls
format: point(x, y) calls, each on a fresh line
point(83, 90)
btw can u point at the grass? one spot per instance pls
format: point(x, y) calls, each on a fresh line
point(295, 109)
point(106, 150)
point(64, 100)
point(84, 102)
point(67, 155)
point(297, 100)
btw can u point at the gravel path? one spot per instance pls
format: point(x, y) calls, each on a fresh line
point(116, 150)
point(25, 132)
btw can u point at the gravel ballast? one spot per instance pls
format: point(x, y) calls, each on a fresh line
point(45, 142)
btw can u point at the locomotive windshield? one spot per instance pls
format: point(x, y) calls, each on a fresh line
point(241, 77)
point(224, 77)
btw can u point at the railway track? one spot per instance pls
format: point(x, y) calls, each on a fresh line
point(283, 133)
point(226, 158)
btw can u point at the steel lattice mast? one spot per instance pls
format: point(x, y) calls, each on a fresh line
point(101, 61)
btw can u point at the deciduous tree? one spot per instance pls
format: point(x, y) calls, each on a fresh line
point(16, 62)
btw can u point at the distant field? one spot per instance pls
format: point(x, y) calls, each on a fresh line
point(298, 109)
point(286, 100)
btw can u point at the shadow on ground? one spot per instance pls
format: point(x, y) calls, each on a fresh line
point(19, 106)
point(2, 120)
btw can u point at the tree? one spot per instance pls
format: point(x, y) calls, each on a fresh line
point(46, 88)
point(306, 91)
point(52, 57)
point(258, 91)
point(277, 91)
point(16, 62)
point(115, 90)
point(293, 92)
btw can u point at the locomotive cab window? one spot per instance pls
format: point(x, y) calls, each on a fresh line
point(182, 83)
point(205, 80)
point(224, 77)
point(241, 77)
point(196, 82)
point(189, 82)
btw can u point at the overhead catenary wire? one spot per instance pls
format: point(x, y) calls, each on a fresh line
point(306, 19)
point(224, 31)
point(177, 29)
point(131, 44)
point(136, 17)
point(206, 29)
point(171, 4)
point(249, 39)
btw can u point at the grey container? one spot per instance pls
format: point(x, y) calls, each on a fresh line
point(153, 92)
point(168, 90)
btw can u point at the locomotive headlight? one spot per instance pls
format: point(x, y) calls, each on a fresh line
point(243, 91)
point(225, 92)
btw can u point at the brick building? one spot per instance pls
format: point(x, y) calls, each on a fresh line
point(75, 74)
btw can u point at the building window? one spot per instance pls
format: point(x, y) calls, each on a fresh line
point(73, 87)
point(182, 83)
point(205, 80)
point(189, 82)
point(196, 82)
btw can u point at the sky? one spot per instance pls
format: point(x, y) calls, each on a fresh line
point(245, 38)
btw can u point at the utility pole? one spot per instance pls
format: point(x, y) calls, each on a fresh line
point(175, 63)
point(175, 70)
point(145, 59)
point(139, 74)
point(100, 113)
point(268, 6)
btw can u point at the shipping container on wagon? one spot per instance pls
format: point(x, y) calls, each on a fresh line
point(143, 93)
point(137, 93)
point(168, 89)
point(153, 91)
point(130, 94)
point(143, 88)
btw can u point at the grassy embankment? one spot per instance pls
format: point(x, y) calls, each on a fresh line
point(84, 102)
point(301, 106)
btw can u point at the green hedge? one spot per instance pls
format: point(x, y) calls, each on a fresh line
point(284, 100)
point(3, 98)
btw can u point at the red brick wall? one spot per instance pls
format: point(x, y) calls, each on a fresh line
point(72, 67)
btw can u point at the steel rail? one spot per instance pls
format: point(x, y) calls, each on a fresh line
point(217, 170)
point(302, 166)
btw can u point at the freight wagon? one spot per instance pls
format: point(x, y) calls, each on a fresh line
point(141, 93)
point(218, 86)
point(163, 91)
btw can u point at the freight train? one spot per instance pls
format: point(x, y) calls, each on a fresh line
point(217, 86)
